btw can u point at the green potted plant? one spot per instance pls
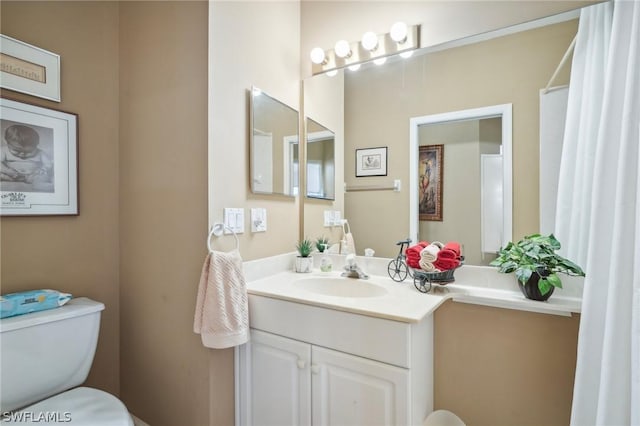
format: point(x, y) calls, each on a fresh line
point(322, 243)
point(304, 260)
point(535, 263)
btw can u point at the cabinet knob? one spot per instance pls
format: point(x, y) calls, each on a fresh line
point(301, 363)
point(315, 369)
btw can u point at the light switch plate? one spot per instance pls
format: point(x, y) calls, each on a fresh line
point(328, 218)
point(234, 220)
point(258, 220)
point(337, 218)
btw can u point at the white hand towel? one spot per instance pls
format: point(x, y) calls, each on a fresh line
point(428, 254)
point(427, 266)
point(222, 308)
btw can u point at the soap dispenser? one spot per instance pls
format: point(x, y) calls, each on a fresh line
point(325, 262)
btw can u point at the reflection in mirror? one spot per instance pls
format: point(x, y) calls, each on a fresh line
point(320, 161)
point(273, 125)
point(469, 180)
point(378, 102)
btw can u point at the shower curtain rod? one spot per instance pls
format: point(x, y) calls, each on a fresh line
point(561, 64)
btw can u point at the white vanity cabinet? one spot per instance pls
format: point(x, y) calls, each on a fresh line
point(309, 365)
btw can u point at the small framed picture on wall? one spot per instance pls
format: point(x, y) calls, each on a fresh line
point(371, 162)
point(29, 69)
point(430, 171)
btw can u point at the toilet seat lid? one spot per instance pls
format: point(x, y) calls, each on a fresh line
point(79, 406)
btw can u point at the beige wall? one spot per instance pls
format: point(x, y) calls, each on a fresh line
point(510, 69)
point(136, 75)
point(499, 367)
point(167, 376)
point(76, 254)
point(251, 44)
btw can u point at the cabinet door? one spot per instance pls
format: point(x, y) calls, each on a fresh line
point(350, 390)
point(275, 386)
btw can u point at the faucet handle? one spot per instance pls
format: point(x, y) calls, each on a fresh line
point(351, 260)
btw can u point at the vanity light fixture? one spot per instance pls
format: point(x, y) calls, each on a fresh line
point(369, 41)
point(343, 49)
point(372, 47)
point(318, 56)
point(399, 32)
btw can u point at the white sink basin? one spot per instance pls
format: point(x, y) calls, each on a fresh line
point(340, 287)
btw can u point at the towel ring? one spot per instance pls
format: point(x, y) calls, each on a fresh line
point(218, 230)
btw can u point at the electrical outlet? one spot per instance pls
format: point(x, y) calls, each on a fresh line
point(258, 220)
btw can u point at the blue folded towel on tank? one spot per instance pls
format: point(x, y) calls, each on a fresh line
point(26, 302)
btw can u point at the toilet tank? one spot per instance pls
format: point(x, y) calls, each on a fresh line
point(45, 353)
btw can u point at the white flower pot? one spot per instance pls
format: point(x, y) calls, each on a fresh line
point(304, 264)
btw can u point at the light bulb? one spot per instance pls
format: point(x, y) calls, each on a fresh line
point(355, 67)
point(380, 61)
point(369, 41)
point(317, 55)
point(399, 32)
point(332, 73)
point(342, 49)
point(407, 54)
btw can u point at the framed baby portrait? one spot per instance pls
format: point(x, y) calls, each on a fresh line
point(39, 168)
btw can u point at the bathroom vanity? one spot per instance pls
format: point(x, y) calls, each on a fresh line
point(339, 351)
point(335, 351)
point(308, 365)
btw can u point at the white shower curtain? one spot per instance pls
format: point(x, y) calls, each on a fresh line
point(599, 190)
point(584, 113)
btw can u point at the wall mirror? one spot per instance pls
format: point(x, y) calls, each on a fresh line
point(378, 103)
point(273, 127)
point(463, 191)
point(320, 161)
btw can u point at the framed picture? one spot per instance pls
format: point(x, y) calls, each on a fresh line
point(39, 168)
point(430, 167)
point(29, 69)
point(371, 162)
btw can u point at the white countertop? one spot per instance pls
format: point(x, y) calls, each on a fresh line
point(272, 277)
point(401, 302)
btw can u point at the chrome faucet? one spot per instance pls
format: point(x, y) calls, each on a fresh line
point(352, 270)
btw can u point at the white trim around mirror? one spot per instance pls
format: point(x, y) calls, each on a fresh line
point(505, 112)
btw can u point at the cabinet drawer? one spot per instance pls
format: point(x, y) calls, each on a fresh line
point(375, 338)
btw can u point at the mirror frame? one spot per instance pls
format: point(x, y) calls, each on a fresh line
point(503, 111)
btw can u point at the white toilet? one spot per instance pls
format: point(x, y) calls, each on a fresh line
point(44, 356)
